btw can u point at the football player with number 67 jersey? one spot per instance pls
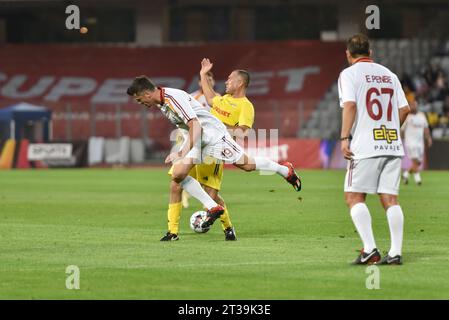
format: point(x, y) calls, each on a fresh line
point(374, 108)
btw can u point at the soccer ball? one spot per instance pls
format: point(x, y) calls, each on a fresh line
point(196, 220)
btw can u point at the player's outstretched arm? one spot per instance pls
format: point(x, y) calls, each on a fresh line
point(208, 90)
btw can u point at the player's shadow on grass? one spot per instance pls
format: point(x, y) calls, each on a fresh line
point(209, 237)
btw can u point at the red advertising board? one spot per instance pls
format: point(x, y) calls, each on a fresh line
point(79, 76)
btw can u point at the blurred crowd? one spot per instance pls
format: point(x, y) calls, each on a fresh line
point(430, 89)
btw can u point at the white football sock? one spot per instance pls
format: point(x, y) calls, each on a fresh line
point(396, 222)
point(406, 174)
point(266, 164)
point(417, 177)
point(194, 188)
point(362, 220)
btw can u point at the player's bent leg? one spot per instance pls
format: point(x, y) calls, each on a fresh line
point(185, 195)
point(193, 187)
point(246, 163)
point(228, 150)
point(181, 169)
point(225, 220)
point(226, 223)
point(286, 169)
point(210, 176)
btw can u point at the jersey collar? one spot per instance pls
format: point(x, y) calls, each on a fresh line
point(162, 95)
point(362, 59)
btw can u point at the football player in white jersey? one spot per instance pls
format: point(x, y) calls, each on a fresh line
point(415, 130)
point(206, 136)
point(200, 97)
point(374, 107)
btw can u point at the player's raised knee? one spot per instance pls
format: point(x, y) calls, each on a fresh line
point(178, 176)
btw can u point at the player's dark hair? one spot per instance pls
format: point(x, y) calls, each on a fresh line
point(139, 85)
point(358, 45)
point(245, 76)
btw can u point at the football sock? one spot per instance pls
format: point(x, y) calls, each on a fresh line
point(266, 164)
point(185, 199)
point(406, 174)
point(396, 223)
point(225, 220)
point(362, 220)
point(417, 177)
point(193, 187)
point(174, 214)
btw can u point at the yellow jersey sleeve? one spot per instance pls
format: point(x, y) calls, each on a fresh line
point(247, 115)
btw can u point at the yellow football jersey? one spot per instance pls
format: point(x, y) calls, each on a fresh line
point(233, 111)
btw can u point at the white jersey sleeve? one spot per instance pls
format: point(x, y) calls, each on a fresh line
point(346, 87)
point(180, 107)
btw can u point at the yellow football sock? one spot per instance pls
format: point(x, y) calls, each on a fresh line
point(174, 214)
point(225, 220)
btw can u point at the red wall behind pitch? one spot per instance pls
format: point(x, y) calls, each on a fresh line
point(285, 72)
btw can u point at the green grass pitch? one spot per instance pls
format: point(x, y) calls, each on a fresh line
point(290, 245)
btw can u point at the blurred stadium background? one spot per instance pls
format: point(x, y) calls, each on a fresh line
point(58, 85)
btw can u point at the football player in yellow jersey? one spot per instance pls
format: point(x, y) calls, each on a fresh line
point(236, 112)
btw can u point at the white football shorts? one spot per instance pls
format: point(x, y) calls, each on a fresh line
point(216, 143)
point(374, 175)
point(415, 151)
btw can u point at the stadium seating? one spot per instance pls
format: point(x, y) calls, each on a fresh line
point(401, 56)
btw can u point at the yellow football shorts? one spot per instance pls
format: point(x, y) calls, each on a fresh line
point(209, 175)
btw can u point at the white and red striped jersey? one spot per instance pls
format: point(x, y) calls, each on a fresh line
point(180, 107)
point(378, 95)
